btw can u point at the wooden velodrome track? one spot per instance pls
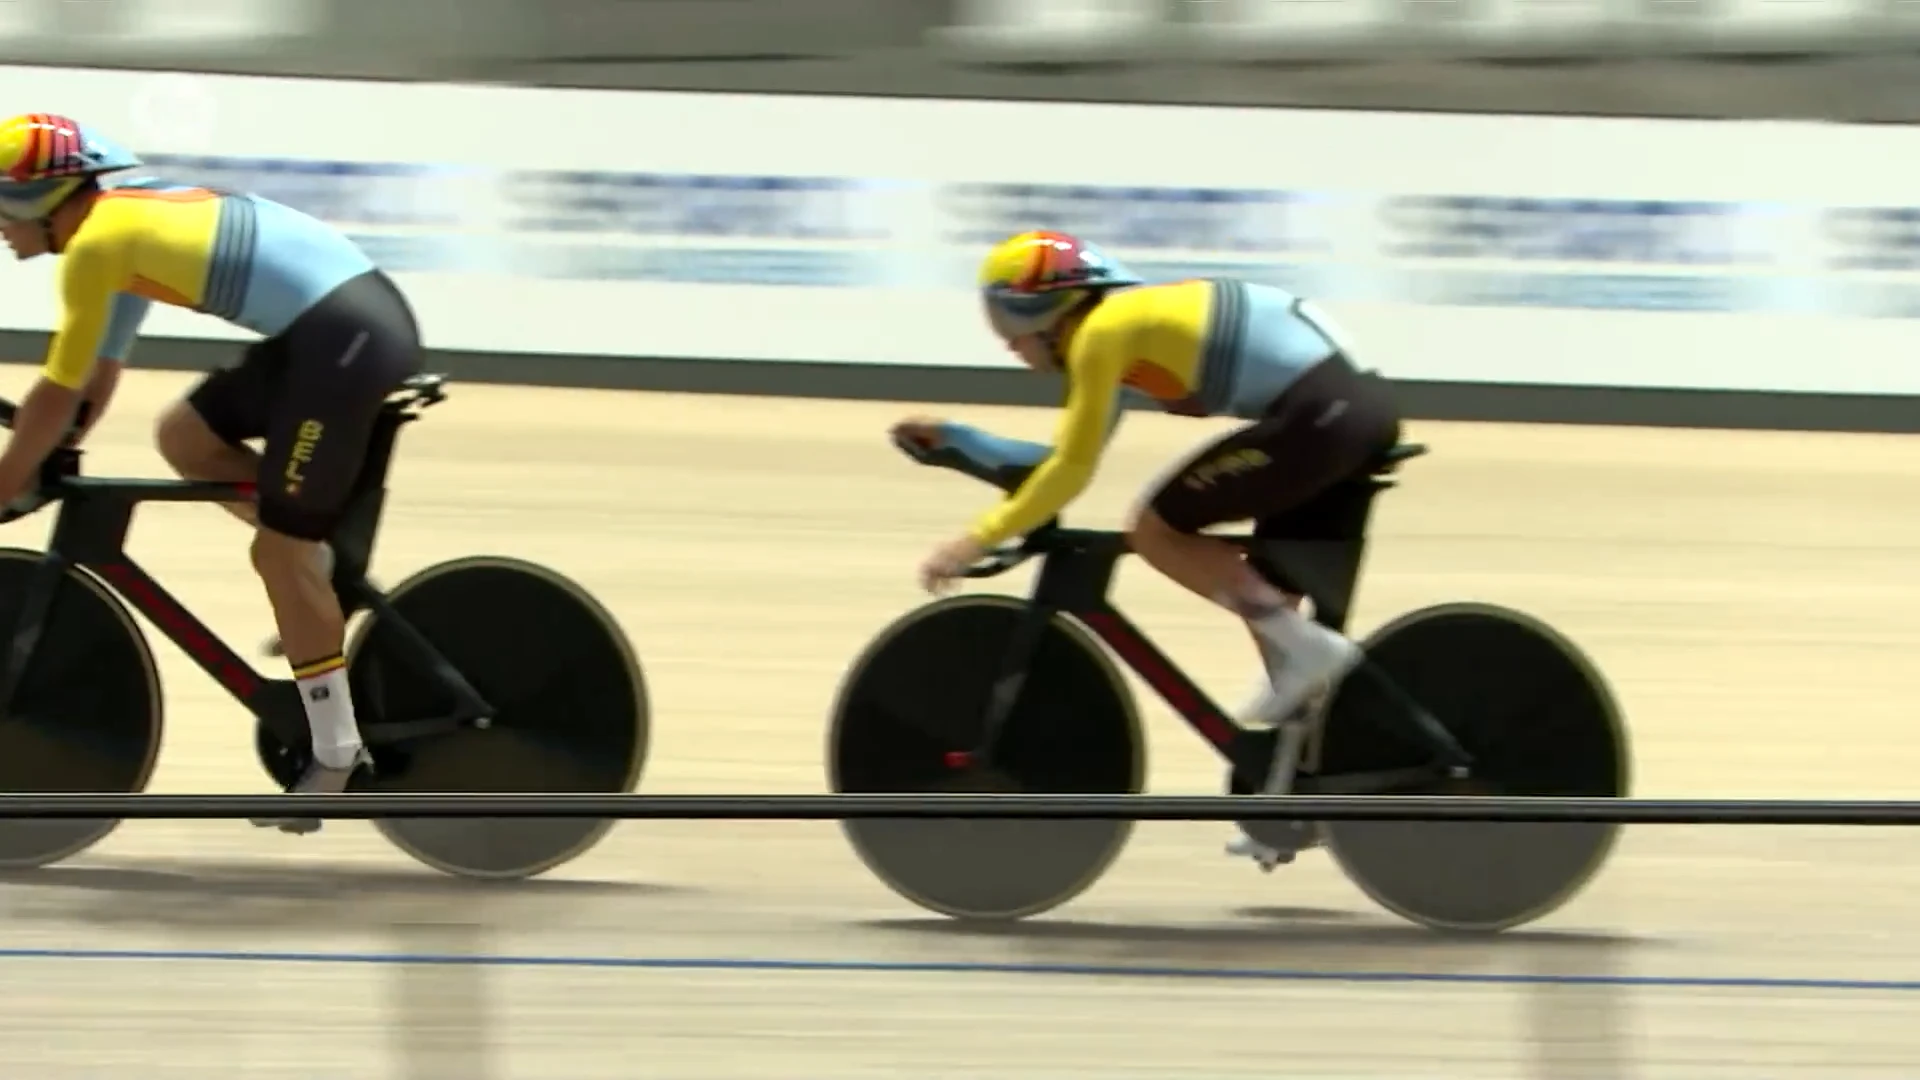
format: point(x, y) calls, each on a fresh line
point(1751, 596)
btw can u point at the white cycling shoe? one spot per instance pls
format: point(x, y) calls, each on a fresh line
point(1298, 836)
point(1246, 847)
point(317, 780)
point(1304, 661)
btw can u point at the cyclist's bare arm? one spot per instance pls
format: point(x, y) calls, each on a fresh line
point(124, 317)
point(89, 278)
point(96, 397)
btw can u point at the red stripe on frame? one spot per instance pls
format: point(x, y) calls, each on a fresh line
point(1166, 682)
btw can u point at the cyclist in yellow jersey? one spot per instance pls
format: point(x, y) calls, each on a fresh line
point(1194, 348)
point(337, 338)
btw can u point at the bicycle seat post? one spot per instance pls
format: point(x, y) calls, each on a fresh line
point(352, 541)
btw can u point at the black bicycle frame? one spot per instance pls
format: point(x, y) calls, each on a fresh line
point(1316, 552)
point(90, 532)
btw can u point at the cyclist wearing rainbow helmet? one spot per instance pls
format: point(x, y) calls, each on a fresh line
point(1212, 347)
point(46, 164)
point(337, 338)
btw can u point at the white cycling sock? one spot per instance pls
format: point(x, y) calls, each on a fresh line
point(329, 704)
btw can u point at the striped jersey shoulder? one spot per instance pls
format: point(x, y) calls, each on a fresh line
point(161, 187)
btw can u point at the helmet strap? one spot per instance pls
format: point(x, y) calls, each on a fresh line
point(1052, 335)
point(90, 187)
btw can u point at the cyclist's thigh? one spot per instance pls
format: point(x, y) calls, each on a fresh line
point(344, 356)
point(1326, 427)
point(235, 402)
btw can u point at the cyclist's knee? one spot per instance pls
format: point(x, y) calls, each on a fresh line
point(273, 553)
point(1147, 529)
point(186, 442)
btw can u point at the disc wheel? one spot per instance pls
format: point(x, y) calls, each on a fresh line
point(86, 715)
point(570, 710)
point(920, 692)
point(1538, 720)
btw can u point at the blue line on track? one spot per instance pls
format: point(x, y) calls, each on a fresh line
point(931, 967)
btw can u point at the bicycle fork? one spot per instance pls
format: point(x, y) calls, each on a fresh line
point(1004, 693)
point(34, 608)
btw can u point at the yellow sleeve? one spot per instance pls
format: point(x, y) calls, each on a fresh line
point(1094, 363)
point(90, 275)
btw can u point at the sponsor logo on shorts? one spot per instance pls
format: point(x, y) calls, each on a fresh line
point(305, 440)
point(1233, 463)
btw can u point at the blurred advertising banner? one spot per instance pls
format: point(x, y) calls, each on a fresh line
point(1781, 256)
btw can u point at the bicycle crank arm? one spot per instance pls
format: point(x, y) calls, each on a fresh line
point(1422, 725)
point(1381, 782)
point(389, 732)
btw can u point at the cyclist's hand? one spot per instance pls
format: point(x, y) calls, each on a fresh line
point(947, 562)
point(920, 433)
point(82, 424)
point(21, 506)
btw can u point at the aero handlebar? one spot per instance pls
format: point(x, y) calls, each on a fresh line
point(1007, 478)
point(61, 465)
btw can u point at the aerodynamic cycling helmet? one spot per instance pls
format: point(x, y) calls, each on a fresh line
point(45, 158)
point(1032, 280)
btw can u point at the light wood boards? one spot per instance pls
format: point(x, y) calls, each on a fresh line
point(1748, 594)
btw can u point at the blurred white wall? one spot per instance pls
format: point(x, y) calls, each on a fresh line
point(1843, 59)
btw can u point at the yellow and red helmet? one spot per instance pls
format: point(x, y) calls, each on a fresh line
point(1031, 280)
point(44, 158)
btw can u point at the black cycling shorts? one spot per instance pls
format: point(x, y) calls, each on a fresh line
point(313, 392)
point(1334, 423)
